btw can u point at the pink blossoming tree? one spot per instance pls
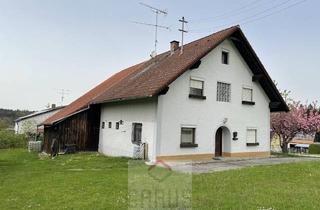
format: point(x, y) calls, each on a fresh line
point(301, 119)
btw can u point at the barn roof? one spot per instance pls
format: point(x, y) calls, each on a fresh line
point(34, 114)
point(150, 78)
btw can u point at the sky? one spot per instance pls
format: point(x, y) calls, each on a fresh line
point(49, 45)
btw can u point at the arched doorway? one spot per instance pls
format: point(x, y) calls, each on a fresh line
point(222, 141)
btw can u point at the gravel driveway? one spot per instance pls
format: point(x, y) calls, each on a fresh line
point(229, 164)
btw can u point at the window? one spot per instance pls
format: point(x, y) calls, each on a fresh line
point(225, 57)
point(117, 125)
point(110, 125)
point(196, 87)
point(136, 133)
point(188, 137)
point(247, 94)
point(103, 125)
point(223, 92)
point(252, 137)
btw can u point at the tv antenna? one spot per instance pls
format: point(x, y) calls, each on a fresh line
point(183, 22)
point(63, 93)
point(156, 25)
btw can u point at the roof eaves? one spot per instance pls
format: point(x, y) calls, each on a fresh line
point(65, 117)
point(285, 106)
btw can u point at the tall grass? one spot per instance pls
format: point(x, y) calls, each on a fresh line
point(8, 139)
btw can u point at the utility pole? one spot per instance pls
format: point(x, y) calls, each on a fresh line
point(156, 25)
point(183, 21)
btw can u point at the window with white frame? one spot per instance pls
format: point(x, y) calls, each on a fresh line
point(196, 87)
point(223, 92)
point(247, 94)
point(251, 135)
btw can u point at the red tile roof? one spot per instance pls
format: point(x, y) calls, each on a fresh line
point(84, 101)
point(146, 79)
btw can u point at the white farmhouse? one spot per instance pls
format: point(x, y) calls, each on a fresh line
point(30, 123)
point(213, 99)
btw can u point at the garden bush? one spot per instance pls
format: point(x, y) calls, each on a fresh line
point(8, 139)
point(314, 149)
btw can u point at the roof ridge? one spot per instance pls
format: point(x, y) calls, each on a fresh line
point(117, 84)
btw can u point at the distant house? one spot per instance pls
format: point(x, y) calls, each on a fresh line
point(31, 123)
point(299, 143)
point(213, 99)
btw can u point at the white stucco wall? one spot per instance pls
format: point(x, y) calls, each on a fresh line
point(118, 142)
point(176, 109)
point(30, 124)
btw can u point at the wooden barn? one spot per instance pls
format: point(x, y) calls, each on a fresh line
point(78, 123)
point(80, 129)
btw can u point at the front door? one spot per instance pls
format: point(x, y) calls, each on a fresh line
point(218, 150)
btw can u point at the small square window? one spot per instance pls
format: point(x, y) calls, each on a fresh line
point(223, 92)
point(103, 125)
point(196, 87)
point(225, 57)
point(247, 94)
point(188, 135)
point(117, 125)
point(110, 125)
point(251, 136)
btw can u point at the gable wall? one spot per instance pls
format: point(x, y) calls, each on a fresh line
point(30, 124)
point(176, 109)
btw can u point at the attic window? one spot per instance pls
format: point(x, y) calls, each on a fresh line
point(225, 57)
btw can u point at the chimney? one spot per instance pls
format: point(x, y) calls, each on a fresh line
point(53, 106)
point(174, 45)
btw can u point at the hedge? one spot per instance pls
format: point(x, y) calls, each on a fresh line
point(8, 139)
point(314, 149)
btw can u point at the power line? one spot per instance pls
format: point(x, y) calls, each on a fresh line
point(252, 17)
point(227, 13)
point(278, 11)
point(247, 10)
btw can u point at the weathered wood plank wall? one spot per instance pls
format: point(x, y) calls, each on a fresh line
point(81, 129)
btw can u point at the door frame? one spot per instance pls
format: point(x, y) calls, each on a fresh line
point(218, 142)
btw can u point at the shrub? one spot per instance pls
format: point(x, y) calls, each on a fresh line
point(314, 149)
point(317, 137)
point(8, 139)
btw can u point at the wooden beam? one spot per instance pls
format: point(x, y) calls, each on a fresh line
point(235, 39)
point(257, 78)
point(195, 65)
point(274, 104)
point(164, 91)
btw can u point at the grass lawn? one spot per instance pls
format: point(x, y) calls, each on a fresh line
point(93, 181)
